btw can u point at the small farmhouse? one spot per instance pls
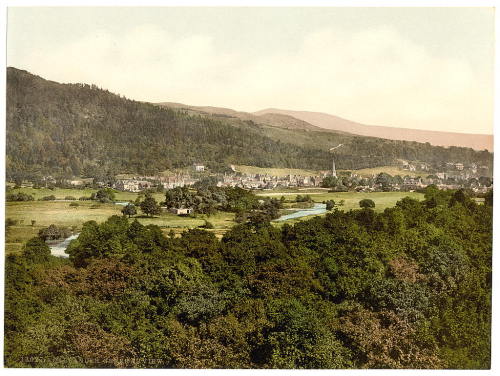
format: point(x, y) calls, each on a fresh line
point(181, 211)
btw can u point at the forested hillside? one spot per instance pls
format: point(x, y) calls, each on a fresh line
point(62, 128)
point(406, 288)
point(68, 129)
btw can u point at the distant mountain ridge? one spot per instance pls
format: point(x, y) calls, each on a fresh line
point(272, 119)
point(321, 122)
point(438, 138)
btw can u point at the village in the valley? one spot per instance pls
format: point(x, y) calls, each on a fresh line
point(410, 177)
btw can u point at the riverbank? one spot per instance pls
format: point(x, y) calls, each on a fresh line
point(316, 209)
point(58, 249)
point(32, 216)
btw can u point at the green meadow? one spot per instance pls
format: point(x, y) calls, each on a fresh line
point(274, 171)
point(62, 193)
point(60, 213)
point(391, 170)
point(31, 216)
point(351, 199)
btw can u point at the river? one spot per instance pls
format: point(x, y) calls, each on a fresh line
point(316, 209)
point(59, 248)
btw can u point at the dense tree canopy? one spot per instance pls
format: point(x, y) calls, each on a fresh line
point(330, 204)
point(208, 199)
point(18, 197)
point(406, 288)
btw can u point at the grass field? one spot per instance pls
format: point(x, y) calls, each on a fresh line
point(290, 193)
point(59, 213)
point(61, 193)
point(391, 170)
point(382, 201)
point(274, 171)
point(351, 199)
point(45, 213)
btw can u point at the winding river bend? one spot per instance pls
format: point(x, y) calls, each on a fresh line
point(59, 248)
point(316, 209)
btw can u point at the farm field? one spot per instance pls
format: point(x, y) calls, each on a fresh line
point(274, 171)
point(391, 170)
point(290, 192)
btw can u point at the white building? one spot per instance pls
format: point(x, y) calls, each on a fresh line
point(181, 211)
point(198, 167)
point(132, 185)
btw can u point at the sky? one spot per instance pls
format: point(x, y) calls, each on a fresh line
point(422, 68)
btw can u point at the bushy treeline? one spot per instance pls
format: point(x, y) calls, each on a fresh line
point(54, 232)
point(208, 199)
point(20, 196)
point(406, 288)
point(81, 130)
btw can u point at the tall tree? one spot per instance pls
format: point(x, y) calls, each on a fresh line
point(129, 210)
point(150, 206)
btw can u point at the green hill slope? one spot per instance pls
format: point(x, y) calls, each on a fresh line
point(56, 128)
point(78, 129)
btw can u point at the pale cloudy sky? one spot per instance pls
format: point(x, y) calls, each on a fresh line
point(425, 68)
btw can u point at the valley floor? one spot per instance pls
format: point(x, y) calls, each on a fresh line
point(31, 216)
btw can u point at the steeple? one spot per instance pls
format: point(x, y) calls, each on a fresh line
point(334, 171)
